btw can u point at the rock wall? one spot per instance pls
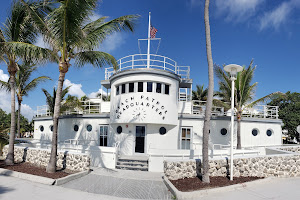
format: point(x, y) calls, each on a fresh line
point(262, 166)
point(40, 157)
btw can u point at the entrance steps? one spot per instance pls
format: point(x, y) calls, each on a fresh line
point(139, 163)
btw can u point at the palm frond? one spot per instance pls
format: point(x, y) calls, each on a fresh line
point(30, 52)
point(96, 58)
point(32, 84)
point(5, 85)
point(265, 98)
point(96, 32)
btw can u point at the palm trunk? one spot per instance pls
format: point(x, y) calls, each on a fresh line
point(51, 168)
point(10, 155)
point(18, 122)
point(205, 164)
point(238, 132)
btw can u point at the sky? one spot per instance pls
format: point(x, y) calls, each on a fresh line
point(266, 31)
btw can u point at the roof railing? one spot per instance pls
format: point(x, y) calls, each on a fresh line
point(156, 62)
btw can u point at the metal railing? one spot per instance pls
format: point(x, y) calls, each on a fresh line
point(199, 107)
point(156, 62)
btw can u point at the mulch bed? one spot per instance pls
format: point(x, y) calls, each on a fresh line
point(192, 184)
point(34, 170)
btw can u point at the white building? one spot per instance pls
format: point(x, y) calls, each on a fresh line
point(150, 116)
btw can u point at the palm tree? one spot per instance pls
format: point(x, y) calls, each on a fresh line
point(104, 97)
point(210, 93)
point(244, 92)
point(50, 100)
point(24, 85)
point(71, 38)
point(200, 94)
point(18, 28)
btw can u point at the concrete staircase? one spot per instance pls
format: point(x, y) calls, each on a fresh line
point(139, 163)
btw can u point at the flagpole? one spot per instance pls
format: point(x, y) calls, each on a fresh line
point(148, 50)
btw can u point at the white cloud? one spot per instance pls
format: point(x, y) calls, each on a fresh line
point(5, 100)
point(3, 77)
point(94, 94)
point(237, 10)
point(27, 111)
point(112, 42)
point(278, 16)
point(75, 89)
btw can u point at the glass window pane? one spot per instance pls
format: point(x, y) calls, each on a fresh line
point(101, 130)
point(167, 88)
point(183, 132)
point(149, 86)
point(117, 90)
point(105, 141)
point(105, 130)
point(158, 87)
point(188, 133)
point(131, 87)
point(140, 86)
point(123, 88)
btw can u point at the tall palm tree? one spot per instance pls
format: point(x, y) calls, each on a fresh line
point(200, 93)
point(24, 85)
point(244, 92)
point(18, 28)
point(210, 93)
point(70, 37)
point(50, 100)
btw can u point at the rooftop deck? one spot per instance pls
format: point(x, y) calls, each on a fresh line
point(184, 107)
point(156, 62)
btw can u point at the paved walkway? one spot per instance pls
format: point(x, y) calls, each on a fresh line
point(122, 183)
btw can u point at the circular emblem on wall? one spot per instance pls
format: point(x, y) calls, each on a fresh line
point(139, 113)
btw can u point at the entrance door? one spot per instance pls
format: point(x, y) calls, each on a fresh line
point(139, 139)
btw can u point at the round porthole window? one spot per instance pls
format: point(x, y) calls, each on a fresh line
point(269, 132)
point(254, 132)
point(51, 128)
point(162, 130)
point(89, 128)
point(223, 131)
point(41, 128)
point(76, 127)
point(119, 129)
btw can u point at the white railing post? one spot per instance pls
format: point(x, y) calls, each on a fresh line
point(175, 67)
point(120, 65)
point(132, 61)
point(164, 63)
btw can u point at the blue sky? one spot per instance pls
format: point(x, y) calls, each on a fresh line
point(264, 30)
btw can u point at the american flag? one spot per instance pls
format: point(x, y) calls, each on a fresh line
point(153, 32)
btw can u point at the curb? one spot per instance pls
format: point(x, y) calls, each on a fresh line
point(196, 194)
point(71, 177)
point(30, 177)
point(43, 180)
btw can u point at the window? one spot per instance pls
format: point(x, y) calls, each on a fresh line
point(140, 86)
point(131, 87)
point(185, 138)
point(158, 87)
point(167, 89)
point(119, 129)
point(103, 135)
point(117, 90)
point(224, 131)
point(255, 132)
point(76, 127)
point(149, 86)
point(51, 128)
point(89, 128)
point(41, 128)
point(162, 130)
point(123, 88)
point(269, 132)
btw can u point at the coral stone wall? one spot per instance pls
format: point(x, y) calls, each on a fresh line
point(40, 157)
point(263, 166)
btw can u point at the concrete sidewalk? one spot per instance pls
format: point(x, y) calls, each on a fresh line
point(14, 188)
point(122, 183)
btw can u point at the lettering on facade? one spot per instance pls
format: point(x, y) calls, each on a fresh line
point(131, 102)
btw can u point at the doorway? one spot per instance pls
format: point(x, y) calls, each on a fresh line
point(140, 139)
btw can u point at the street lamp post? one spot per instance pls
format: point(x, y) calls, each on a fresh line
point(233, 69)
